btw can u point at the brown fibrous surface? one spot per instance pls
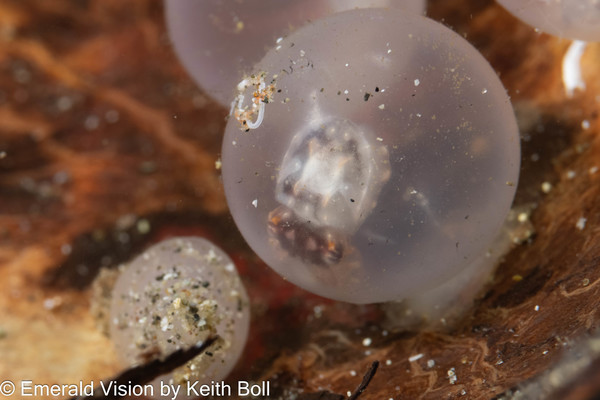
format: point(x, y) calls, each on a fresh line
point(107, 146)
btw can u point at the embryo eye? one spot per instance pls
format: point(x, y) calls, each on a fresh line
point(385, 161)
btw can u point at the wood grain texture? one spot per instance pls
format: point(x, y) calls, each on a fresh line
point(103, 134)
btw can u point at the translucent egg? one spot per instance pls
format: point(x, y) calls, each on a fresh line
point(175, 295)
point(383, 161)
point(572, 19)
point(218, 41)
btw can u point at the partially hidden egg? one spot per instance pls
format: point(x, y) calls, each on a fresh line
point(571, 19)
point(218, 41)
point(175, 295)
point(383, 156)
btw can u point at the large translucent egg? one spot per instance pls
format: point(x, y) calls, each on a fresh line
point(572, 19)
point(218, 41)
point(384, 157)
point(176, 294)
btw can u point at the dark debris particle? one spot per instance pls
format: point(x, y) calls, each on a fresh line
point(148, 371)
point(367, 95)
point(377, 89)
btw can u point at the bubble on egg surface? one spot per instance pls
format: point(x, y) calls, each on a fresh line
point(571, 19)
point(386, 160)
point(218, 41)
point(176, 294)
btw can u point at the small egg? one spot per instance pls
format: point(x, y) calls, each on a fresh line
point(571, 19)
point(173, 296)
point(382, 158)
point(218, 41)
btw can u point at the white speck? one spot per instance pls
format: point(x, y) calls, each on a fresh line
point(211, 256)
point(546, 187)
point(535, 157)
point(2, 154)
point(571, 174)
point(499, 362)
point(367, 342)
point(571, 68)
point(417, 82)
point(346, 91)
point(218, 164)
point(353, 373)
point(382, 106)
point(278, 48)
point(430, 363)
point(452, 376)
point(64, 103)
point(585, 124)
point(463, 392)
point(164, 324)
point(255, 203)
point(545, 352)
point(484, 91)
point(523, 217)
point(92, 122)
point(389, 51)
point(318, 311)
point(302, 53)
point(229, 267)
point(379, 139)
point(66, 249)
point(581, 223)
point(143, 226)
point(419, 115)
point(49, 304)
point(536, 308)
point(234, 142)
point(593, 170)
point(279, 39)
point(348, 393)
point(111, 116)
point(388, 362)
point(177, 303)
point(415, 357)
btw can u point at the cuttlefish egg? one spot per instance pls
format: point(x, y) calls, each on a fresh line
point(382, 159)
point(175, 295)
point(218, 41)
point(571, 19)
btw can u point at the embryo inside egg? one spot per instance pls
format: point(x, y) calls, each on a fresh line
point(386, 161)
